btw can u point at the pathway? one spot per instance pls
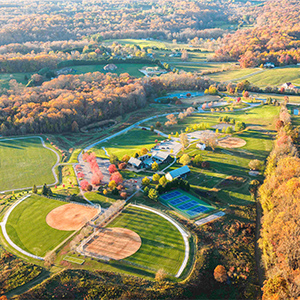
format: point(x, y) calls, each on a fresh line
point(210, 218)
point(3, 226)
point(183, 233)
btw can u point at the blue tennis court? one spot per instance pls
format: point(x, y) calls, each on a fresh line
point(185, 203)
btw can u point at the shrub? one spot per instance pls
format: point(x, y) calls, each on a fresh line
point(160, 275)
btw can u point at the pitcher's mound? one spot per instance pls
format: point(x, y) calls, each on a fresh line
point(231, 142)
point(115, 243)
point(70, 216)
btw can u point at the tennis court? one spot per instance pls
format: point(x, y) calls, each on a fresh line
point(185, 203)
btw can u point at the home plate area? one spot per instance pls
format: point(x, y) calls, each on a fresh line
point(113, 243)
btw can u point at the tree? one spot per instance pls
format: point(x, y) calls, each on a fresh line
point(34, 189)
point(84, 184)
point(205, 165)
point(158, 124)
point(113, 159)
point(184, 140)
point(155, 177)
point(123, 195)
point(162, 180)
point(197, 160)
point(185, 159)
point(96, 179)
point(153, 194)
point(160, 275)
point(143, 151)
point(229, 130)
point(75, 127)
point(116, 177)
point(45, 190)
point(239, 126)
point(122, 166)
point(145, 181)
point(125, 158)
point(255, 164)
point(89, 188)
point(112, 168)
point(112, 184)
point(220, 273)
point(154, 166)
point(172, 120)
point(184, 55)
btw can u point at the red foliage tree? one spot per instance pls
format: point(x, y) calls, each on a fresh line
point(84, 185)
point(112, 169)
point(122, 166)
point(117, 177)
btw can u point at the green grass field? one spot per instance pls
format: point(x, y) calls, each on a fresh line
point(276, 77)
point(128, 143)
point(162, 244)
point(232, 75)
point(25, 162)
point(27, 227)
point(131, 69)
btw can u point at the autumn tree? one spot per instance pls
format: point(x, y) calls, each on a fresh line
point(185, 159)
point(116, 177)
point(220, 273)
point(154, 166)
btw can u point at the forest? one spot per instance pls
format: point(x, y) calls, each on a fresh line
point(273, 37)
point(68, 102)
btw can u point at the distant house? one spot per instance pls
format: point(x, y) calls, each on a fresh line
point(110, 67)
point(290, 86)
point(269, 65)
point(177, 54)
point(201, 146)
point(135, 162)
point(64, 71)
point(160, 156)
point(178, 173)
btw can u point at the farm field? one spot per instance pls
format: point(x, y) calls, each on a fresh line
point(233, 75)
point(196, 66)
point(27, 227)
point(25, 162)
point(280, 98)
point(162, 244)
point(276, 77)
point(130, 68)
point(19, 77)
point(127, 143)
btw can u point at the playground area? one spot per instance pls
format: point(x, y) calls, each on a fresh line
point(186, 204)
point(70, 216)
point(113, 243)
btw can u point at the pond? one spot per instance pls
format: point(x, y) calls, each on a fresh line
point(179, 95)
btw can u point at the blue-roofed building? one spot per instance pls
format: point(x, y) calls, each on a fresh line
point(178, 173)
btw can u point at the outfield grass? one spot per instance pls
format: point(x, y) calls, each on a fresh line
point(25, 162)
point(128, 143)
point(162, 244)
point(27, 227)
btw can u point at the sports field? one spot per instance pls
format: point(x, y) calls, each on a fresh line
point(25, 162)
point(162, 244)
point(128, 143)
point(186, 204)
point(27, 227)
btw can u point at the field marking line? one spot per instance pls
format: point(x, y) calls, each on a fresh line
point(52, 169)
point(183, 233)
point(3, 226)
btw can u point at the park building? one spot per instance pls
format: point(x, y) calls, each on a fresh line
point(178, 173)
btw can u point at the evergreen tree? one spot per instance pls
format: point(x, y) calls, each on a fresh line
point(34, 189)
point(45, 190)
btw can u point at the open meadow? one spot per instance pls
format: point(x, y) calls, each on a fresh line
point(25, 162)
point(128, 143)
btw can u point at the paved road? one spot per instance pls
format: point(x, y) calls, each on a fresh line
point(183, 233)
point(53, 168)
point(3, 226)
